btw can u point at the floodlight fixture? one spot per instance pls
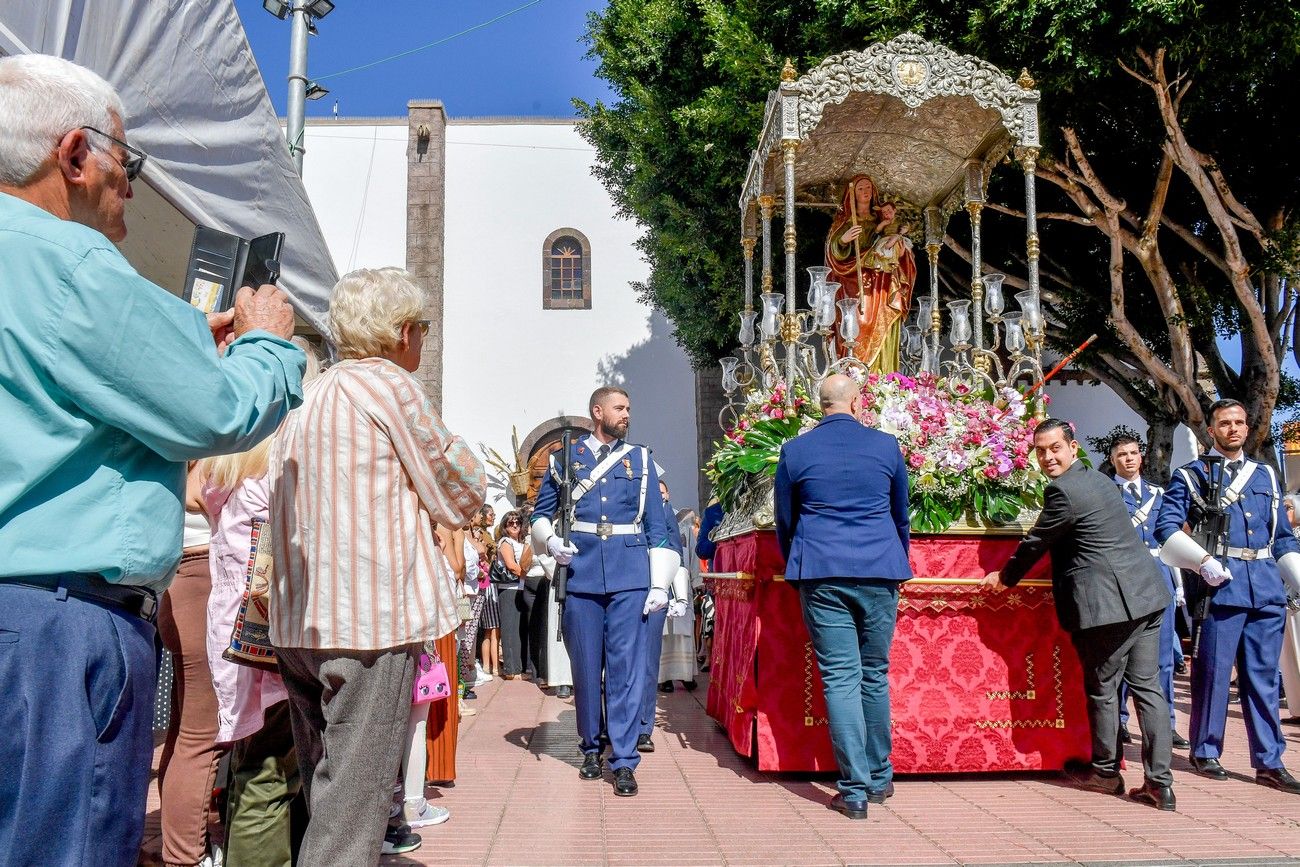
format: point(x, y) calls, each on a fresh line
point(278, 8)
point(315, 91)
point(319, 8)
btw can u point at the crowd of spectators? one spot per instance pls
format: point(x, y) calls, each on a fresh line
point(151, 459)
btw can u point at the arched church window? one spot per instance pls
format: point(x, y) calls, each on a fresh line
point(566, 271)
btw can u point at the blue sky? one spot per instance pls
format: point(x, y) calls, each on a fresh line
point(530, 63)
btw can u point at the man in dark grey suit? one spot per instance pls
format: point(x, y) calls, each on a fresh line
point(1110, 597)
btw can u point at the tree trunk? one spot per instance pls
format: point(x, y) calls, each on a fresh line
point(1160, 448)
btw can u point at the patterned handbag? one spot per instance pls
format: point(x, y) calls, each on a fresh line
point(431, 682)
point(250, 640)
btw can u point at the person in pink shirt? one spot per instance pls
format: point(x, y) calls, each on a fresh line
point(252, 704)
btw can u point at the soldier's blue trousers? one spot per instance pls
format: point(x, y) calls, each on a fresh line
point(654, 644)
point(1252, 639)
point(607, 630)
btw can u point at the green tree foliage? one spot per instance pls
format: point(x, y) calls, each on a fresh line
point(1168, 179)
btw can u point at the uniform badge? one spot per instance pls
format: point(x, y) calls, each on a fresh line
point(627, 467)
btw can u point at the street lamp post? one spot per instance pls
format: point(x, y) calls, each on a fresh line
point(303, 13)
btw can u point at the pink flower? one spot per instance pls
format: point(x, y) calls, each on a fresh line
point(778, 413)
point(990, 472)
point(916, 460)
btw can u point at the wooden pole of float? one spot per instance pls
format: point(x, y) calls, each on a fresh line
point(1064, 361)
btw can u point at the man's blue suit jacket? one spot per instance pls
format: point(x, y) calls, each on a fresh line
point(841, 503)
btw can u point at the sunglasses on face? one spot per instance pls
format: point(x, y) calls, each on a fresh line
point(423, 325)
point(134, 162)
point(513, 522)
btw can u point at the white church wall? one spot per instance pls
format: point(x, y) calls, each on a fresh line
point(507, 361)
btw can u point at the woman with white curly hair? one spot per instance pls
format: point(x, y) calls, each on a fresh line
point(359, 477)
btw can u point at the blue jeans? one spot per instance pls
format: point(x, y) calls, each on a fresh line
point(851, 624)
point(77, 682)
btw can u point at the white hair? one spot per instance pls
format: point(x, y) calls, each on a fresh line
point(368, 308)
point(42, 98)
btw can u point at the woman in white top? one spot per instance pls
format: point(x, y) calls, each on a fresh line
point(517, 557)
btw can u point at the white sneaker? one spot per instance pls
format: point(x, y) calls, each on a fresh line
point(481, 677)
point(417, 812)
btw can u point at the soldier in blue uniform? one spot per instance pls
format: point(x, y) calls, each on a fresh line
point(654, 639)
point(1143, 500)
point(621, 566)
point(1248, 610)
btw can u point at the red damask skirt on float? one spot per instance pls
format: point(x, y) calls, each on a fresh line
point(979, 681)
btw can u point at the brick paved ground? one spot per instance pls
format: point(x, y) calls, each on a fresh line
point(518, 800)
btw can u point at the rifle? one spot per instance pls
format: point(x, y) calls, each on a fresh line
point(560, 585)
point(1213, 531)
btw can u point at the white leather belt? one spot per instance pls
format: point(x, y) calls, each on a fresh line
point(605, 530)
point(1250, 553)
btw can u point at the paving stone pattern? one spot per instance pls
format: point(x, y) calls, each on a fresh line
point(518, 801)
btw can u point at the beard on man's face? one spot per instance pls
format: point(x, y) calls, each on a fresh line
point(615, 430)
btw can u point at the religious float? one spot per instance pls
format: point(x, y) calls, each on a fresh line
point(892, 140)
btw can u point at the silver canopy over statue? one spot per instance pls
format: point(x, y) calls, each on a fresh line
point(895, 139)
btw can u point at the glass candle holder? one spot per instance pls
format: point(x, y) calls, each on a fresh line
point(818, 273)
point(728, 365)
point(912, 341)
point(1033, 315)
point(772, 304)
point(924, 312)
point(848, 319)
point(1015, 335)
point(747, 318)
point(994, 303)
point(959, 332)
point(826, 312)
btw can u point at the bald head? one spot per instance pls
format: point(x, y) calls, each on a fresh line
point(837, 394)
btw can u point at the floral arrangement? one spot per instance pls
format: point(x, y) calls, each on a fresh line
point(753, 445)
point(967, 452)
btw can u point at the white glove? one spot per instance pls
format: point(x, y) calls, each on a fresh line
point(1214, 573)
point(1180, 595)
point(562, 551)
point(655, 600)
point(677, 608)
point(1288, 566)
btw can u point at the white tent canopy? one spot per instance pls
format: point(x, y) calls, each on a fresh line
point(197, 106)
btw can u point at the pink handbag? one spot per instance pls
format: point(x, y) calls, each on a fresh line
point(431, 683)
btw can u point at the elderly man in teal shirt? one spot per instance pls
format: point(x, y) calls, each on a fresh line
point(108, 385)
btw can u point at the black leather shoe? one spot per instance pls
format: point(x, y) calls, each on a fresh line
point(1208, 768)
point(592, 766)
point(564, 692)
point(666, 686)
point(1125, 737)
point(624, 783)
point(689, 685)
point(1160, 797)
point(1180, 667)
point(1278, 778)
point(469, 695)
point(644, 744)
point(879, 795)
point(852, 809)
point(1179, 742)
point(1085, 777)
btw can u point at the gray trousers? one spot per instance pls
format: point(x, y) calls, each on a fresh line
point(349, 711)
point(1127, 651)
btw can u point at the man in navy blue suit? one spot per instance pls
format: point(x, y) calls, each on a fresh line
point(842, 520)
point(621, 566)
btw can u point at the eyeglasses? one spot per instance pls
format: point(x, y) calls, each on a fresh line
point(513, 522)
point(423, 325)
point(134, 162)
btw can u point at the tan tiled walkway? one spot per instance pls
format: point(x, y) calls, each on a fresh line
point(518, 800)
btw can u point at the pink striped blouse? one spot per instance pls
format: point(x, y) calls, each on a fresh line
point(359, 475)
